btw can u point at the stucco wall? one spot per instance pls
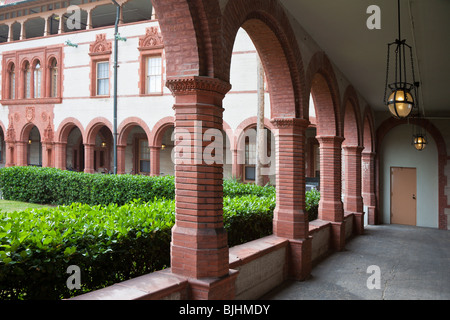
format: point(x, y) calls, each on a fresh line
point(396, 151)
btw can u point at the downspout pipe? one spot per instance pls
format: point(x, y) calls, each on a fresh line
point(116, 34)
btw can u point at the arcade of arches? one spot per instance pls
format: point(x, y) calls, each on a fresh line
point(336, 145)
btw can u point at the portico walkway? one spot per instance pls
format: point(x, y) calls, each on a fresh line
point(414, 264)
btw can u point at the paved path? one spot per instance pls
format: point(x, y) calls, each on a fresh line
point(414, 264)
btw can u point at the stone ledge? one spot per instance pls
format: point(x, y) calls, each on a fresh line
point(245, 253)
point(154, 286)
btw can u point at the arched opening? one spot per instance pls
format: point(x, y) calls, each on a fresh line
point(368, 171)
point(103, 151)
point(104, 15)
point(37, 79)
point(137, 151)
point(167, 148)
point(312, 151)
point(137, 10)
point(34, 28)
point(34, 148)
point(4, 33)
point(27, 80)
point(2, 148)
point(16, 31)
point(53, 78)
point(98, 147)
point(75, 150)
point(53, 24)
point(351, 160)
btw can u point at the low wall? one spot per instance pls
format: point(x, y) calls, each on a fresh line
point(261, 265)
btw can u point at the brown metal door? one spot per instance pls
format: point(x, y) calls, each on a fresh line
point(403, 196)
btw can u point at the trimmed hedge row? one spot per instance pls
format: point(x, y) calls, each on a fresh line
point(108, 243)
point(61, 187)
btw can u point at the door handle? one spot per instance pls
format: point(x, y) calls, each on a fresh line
point(414, 196)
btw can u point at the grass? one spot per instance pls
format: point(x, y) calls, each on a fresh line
point(11, 206)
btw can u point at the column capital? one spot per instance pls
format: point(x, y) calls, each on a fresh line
point(330, 140)
point(194, 84)
point(353, 149)
point(287, 123)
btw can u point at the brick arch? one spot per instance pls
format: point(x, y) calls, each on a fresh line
point(368, 131)
point(66, 126)
point(269, 28)
point(322, 83)
point(189, 28)
point(26, 129)
point(2, 126)
point(390, 124)
point(351, 118)
point(156, 135)
point(245, 125)
point(93, 128)
point(126, 126)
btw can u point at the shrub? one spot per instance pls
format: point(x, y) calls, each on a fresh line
point(234, 188)
point(247, 218)
point(108, 243)
point(55, 186)
point(312, 204)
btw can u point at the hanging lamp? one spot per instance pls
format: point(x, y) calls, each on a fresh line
point(400, 80)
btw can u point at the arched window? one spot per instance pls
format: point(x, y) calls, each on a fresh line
point(12, 82)
point(27, 76)
point(53, 78)
point(37, 80)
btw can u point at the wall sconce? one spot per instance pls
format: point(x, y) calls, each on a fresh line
point(103, 144)
point(163, 146)
point(29, 141)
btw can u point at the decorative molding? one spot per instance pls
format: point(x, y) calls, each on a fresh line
point(190, 85)
point(48, 134)
point(101, 46)
point(151, 40)
point(30, 113)
point(10, 132)
point(285, 123)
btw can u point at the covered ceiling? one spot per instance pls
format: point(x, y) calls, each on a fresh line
point(339, 28)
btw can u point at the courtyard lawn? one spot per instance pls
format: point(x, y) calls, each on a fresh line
point(11, 206)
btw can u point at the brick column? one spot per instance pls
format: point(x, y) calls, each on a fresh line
point(199, 248)
point(121, 159)
point(368, 187)
point(290, 218)
point(330, 205)
point(60, 155)
point(9, 159)
point(89, 158)
point(353, 201)
point(22, 152)
point(155, 153)
point(47, 150)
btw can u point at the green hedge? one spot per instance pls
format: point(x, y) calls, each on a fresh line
point(61, 187)
point(109, 243)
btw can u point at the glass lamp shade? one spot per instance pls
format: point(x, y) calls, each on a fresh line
point(419, 142)
point(400, 103)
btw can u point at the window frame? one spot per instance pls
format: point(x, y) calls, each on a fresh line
point(12, 81)
point(140, 158)
point(37, 76)
point(147, 90)
point(27, 80)
point(108, 79)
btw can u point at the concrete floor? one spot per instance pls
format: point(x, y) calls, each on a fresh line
point(414, 264)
